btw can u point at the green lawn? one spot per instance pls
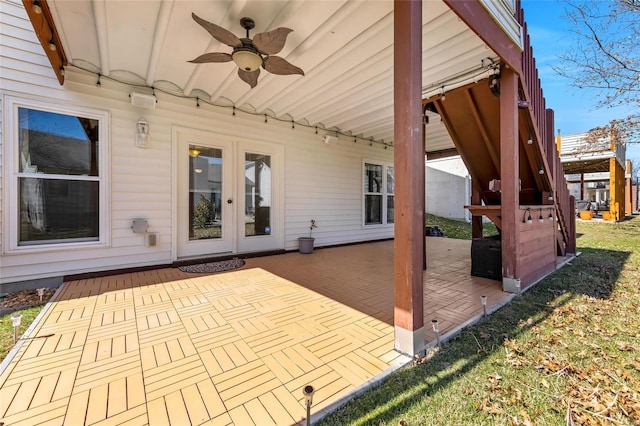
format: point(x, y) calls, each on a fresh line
point(6, 329)
point(457, 229)
point(570, 344)
point(566, 352)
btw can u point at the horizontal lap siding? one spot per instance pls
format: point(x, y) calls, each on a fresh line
point(537, 248)
point(321, 182)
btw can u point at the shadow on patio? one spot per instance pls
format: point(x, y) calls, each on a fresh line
point(167, 347)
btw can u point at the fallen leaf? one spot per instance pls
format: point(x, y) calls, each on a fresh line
point(624, 346)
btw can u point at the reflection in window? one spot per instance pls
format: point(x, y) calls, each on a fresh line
point(205, 192)
point(58, 177)
point(257, 215)
point(378, 194)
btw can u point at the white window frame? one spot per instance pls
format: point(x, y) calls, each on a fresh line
point(12, 174)
point(384, 194)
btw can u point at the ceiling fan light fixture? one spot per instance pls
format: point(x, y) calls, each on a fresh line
point(247, 60)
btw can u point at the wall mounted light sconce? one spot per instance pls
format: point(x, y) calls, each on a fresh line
point(540, 218)
point(527, 218)
point(330, 139)
point(494, 81)
point(143, 140)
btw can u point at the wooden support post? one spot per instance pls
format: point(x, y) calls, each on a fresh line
point(409, 177)
point(628, 189)
point(476, 221)
point(582, 186)
point(616, 190)
point(510, 178)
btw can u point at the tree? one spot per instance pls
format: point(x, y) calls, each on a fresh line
point(606, 53)
point(606, 57)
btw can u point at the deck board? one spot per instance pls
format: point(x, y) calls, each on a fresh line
point(236, 348)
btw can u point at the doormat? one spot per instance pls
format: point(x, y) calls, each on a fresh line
point(221, 266)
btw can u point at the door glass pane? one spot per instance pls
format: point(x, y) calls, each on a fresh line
point(257, 190)
point(390, 180)
point(390, 209)
point(205, 193)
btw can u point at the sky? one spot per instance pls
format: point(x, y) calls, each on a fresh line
point(576, 111)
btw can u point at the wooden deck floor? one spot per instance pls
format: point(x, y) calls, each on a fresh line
point(167, 347)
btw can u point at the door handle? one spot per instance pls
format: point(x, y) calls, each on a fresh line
point(229, 201)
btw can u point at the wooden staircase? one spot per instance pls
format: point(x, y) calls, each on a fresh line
point(472, 116)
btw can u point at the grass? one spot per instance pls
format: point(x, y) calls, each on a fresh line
point(6, 329)
point(457, 229)
point(566, 352)
point(569, 345)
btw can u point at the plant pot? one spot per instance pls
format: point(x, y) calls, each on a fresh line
point(586, 215)
point(305, 244)
point(606, 215)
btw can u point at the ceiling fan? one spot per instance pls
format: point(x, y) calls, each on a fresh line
point(249, 54)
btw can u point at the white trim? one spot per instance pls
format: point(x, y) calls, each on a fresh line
point(276, 239)
point(11, 168)
point(383, 194)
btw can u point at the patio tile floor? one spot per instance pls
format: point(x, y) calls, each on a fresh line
point(167, 347)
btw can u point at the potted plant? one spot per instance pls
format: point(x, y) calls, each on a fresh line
point(305, 244)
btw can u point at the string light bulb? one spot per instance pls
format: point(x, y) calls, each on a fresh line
point(37, 9)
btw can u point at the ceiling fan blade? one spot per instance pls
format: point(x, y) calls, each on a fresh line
point(219, 33)
point(271, 42)
point(212, 57)
point(251, 78)
point(278, 65)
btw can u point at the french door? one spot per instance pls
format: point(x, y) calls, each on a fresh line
point(229, 195)
point(205, 194)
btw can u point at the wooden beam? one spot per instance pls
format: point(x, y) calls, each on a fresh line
point(45, 29)
point(456, 141)
point(480, 21)
point(482, 128)
point(409, 178)
point(492, 212)
point(509, 177)
point(442, 153)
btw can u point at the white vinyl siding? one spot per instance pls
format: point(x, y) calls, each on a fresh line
point(321, 182)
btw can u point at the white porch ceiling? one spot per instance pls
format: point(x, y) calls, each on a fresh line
point(345, 48)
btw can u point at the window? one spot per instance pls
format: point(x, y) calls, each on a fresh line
point(57, 193)
point(378, 194)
